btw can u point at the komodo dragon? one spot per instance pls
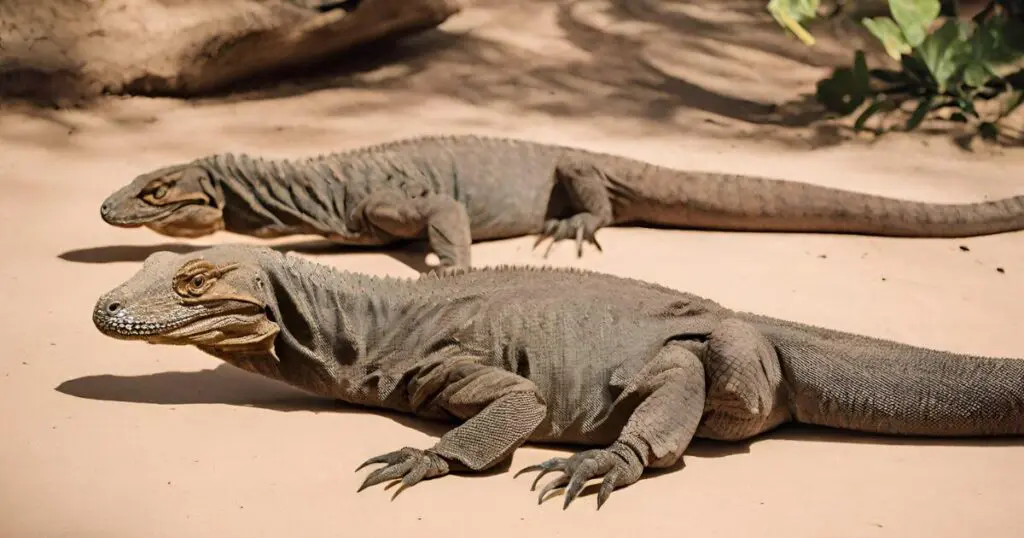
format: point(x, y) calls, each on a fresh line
point(549, 355)
point(456, 189)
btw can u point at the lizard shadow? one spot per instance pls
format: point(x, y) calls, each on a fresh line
point(707, 448)
point(411, 254)
point(227, 385)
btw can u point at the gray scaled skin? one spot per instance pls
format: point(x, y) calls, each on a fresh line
point(453, 190)
point(631, 371)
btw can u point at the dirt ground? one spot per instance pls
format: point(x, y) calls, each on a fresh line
point(111, 439)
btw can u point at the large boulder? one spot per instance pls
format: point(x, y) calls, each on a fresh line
point(70, 50)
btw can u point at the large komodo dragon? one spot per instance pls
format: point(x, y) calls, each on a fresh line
point(456, 189)
point(518, 354)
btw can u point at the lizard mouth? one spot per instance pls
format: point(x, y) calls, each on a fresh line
point(117, 322)
point(141, 217)
point(198, 322)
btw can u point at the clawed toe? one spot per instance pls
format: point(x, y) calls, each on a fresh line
point(553, 464)
point(580, 227)
point(411, 465)
point(580, 468)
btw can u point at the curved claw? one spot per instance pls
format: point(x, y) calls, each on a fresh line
point(607, 486)
point(548, 231)
point(584, 472)
point(551, 245)
point(556, 483)
point(389, 458)
point(579, 241)
point(410, 464)
point(616, 469)
point(553, 464)
point(391, 472)
point(581, 228)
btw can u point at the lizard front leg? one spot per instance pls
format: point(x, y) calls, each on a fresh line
point(585, 184)
point(671, 390)
point(500, 409)
point(442, 217)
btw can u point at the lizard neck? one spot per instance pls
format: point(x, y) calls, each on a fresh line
point(332, 339)
point(273, 198)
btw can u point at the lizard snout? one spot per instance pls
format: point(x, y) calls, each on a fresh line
point(113, 318)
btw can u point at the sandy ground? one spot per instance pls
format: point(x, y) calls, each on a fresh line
point(102, 438)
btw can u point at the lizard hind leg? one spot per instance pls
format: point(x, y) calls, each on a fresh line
point(585, 186)
point(670, 391)
point(744, 384)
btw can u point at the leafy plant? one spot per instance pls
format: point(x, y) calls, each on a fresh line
point(790, 13)
point(945, 62)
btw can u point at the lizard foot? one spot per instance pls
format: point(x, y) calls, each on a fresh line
point(447, 270)
point(410, 464)
point(581, 227)
point(618, 466)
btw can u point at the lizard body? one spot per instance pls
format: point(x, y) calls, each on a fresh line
point(453, 190)
point(513, 355)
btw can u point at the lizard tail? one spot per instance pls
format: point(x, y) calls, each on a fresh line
point(872, 385)
point(745, 203)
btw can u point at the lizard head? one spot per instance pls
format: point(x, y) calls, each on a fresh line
point(217, 298)
point(178, 201)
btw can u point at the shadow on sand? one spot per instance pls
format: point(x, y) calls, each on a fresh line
point(636, 60)
point(411, 254)
point(227, 385)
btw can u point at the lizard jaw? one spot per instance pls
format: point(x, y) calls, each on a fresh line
point(221, 325)
point(141, 217)
point(117, 322)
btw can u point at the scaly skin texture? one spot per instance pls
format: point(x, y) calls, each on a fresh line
point(629, 369)
point(453, 190)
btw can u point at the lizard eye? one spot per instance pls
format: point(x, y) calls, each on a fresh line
point(160, 192)
point(194, 286)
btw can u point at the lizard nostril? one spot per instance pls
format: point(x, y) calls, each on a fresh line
point(105, 208)
point(113, 307)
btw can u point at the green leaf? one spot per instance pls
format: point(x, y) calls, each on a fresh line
point(914, 17)
point(989, 48)
point(918, 116)
point(790, 13)
point(966, 29)
point(889, 34)
point(875, 107)
point(977, 74)
point(944, 54)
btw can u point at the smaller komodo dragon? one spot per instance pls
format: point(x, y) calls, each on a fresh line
point(513, 355)
point(455, 189)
